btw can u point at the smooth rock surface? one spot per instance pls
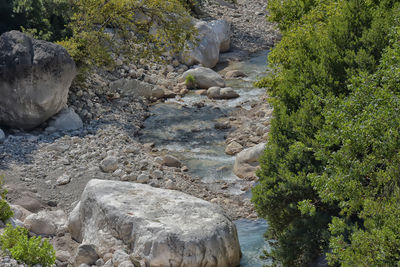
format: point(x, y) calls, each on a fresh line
point(109, 164)
point(131, 87)
point(164, 227)
point(214, 37)
point(221, 93)
point(46, 222)
point(171, 161)
point(204, 78)
point(66, 120)
point(246, 162)
point(35, 77)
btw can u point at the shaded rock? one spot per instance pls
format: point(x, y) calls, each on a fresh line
point(171, 161)
point(86, 254)
point(204, 77)
point(180, 230)
point(2, 136)
point(233, 148)
point(30, 203)
point(66, 120)
point(214, 38)
point(63, 256)
point(157, 92)
point(35, 77)
point(246, 162)
point(233, 74)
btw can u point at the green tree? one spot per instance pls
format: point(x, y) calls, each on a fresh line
point(133, 28)
point(326, 46)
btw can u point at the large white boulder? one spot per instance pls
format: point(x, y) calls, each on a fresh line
point(35, 77)
point(163, 227)
point(213, 38)
point(204, 78)
point(246, 162)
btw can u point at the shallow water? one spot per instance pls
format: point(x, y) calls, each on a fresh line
point(181, 128)
point(252, 243)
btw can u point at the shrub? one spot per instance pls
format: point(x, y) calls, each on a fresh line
point(5, 209)
point(31, 251)
point(190, 81)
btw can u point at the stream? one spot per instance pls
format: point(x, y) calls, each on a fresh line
point(185, 127)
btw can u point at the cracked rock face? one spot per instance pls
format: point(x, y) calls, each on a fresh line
point(35, 77)
point(163, 227)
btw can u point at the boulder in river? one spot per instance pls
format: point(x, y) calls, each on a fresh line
point(221, 93)
point(234, 74)
point(163, 227)
point(214, 37)
point(204, 78)
point(246, 162)
point(35, 77)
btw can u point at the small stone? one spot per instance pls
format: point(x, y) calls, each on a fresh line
point(100, 262)
point(157, 174)
point(62, 255)
point(185, 169)
point(109, 164)
point(86, 254)
point(233, 148)
point(171, 161)
point(233, 74)
point(159, 160)
point(169, 184)
point(143, 178)
point(201, 92)
point(63, 179)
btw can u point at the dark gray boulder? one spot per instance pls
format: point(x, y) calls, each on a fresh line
point(35, 77)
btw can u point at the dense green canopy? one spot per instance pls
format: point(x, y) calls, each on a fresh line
point(329, 178)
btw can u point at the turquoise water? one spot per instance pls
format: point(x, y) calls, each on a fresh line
point(252, 242)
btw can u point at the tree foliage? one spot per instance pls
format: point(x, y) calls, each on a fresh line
point(328, 178)
point(44, 19)
point(30, 250)
point(134, 28)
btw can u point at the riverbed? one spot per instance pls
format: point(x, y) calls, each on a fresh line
point(186, 128)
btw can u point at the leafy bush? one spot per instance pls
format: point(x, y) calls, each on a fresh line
point(190, 81)
point(5, 209)
point(31, 251)
point(327, 178)
point(132, 28)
